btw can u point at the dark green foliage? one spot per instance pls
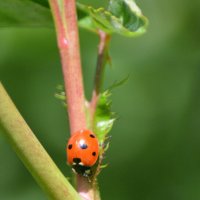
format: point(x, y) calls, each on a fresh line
point(122, 17)
point(42, 2)
point(26, 13)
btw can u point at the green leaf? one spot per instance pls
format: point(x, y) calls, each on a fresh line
point(23, 13)
point(122, 16)
point(60, 94)
point(104, 118)
point(44, 3)
point(118, 83)
point(103, 166)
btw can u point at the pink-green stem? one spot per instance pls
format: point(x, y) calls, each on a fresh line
point(65, 18)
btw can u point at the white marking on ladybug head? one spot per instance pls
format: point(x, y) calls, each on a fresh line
point(81, 163)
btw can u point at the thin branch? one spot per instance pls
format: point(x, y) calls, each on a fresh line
point(32, 153)
point(102, 59)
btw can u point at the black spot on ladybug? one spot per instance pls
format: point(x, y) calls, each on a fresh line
point(92, 136)
point(70, 146)
point(83, 146)
point(94, 153)
point(76, 160)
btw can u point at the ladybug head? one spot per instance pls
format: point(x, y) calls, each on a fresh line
point(82, 170)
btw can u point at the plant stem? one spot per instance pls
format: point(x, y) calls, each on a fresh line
point(102, 59)
point(32, 153)
point(65, 18)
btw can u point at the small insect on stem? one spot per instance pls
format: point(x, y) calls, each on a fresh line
point(82, 152)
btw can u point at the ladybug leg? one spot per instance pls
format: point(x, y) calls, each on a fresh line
point(74, 170)
point(87, 173)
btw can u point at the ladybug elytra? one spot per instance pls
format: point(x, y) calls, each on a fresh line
point(82, 152)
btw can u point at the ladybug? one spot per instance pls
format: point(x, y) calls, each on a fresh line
point(82, 152)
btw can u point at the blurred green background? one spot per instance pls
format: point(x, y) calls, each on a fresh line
point(155, 146)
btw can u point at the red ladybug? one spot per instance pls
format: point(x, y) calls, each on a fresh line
point(82, 152)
